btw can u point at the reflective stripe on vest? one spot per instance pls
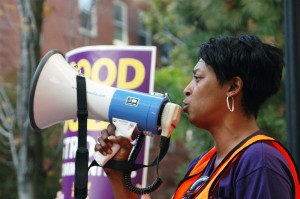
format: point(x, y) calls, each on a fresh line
point(196, 172)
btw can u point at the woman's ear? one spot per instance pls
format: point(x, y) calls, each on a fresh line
point(235, 86)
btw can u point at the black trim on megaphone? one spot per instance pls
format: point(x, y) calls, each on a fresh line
point(34, 84)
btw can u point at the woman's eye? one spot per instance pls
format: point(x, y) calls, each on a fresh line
point(197, 78)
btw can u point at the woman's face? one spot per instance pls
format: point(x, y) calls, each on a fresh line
point(205, 100)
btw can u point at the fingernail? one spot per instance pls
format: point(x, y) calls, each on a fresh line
point(109, 151)
point(111, 137)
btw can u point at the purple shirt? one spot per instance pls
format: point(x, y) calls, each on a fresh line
point(261, 172)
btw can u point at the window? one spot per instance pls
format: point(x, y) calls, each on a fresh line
point(120, 23)
point(143, 34)
point(88, 17)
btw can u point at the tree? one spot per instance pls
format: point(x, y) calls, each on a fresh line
point(185, 24)
point(25, 145)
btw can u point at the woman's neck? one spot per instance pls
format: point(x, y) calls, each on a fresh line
point(230, 135)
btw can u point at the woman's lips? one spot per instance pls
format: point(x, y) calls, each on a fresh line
point(185, 107)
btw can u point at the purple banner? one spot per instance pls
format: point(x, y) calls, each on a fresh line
point(129, 67)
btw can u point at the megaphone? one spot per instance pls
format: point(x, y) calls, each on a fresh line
point(53, 99)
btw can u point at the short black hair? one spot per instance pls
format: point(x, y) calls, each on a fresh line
point(258, 64)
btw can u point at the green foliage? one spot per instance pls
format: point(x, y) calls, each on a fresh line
point(172, 81)
point(185, 24)
point(272, 117)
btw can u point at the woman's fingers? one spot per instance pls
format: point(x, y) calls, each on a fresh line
point(111, 129)
point(103, 143)
point(108, 139)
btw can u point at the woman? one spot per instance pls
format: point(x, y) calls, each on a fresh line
point(232, 79)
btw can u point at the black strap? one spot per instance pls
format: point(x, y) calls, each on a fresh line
point(130, 165)
point(82, 154)
point(164, 146)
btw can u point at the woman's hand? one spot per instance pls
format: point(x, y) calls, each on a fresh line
point(106, 141)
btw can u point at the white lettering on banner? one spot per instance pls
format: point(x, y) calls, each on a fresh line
point(69, 153)
point(71, 145)
point(68, 169)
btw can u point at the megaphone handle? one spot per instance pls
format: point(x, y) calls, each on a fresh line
point(101, 159)
point(125, 129)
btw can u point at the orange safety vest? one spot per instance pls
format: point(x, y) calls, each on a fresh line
point(207, 188)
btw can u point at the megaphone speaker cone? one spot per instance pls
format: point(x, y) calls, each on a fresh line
point(51, 97)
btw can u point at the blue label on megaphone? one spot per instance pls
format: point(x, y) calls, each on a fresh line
point(144, 109)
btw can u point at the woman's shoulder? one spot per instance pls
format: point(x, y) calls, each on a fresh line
point(262, 156)
point(260, 165)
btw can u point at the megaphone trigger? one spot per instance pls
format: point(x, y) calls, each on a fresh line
point(124, 128)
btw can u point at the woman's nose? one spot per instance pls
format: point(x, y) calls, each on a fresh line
point(187, 90)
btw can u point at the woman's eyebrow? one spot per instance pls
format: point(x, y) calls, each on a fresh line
point(195, 70)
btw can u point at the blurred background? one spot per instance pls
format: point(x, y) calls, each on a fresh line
point(30, 162)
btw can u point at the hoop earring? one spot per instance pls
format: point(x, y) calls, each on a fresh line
point(232, 102)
